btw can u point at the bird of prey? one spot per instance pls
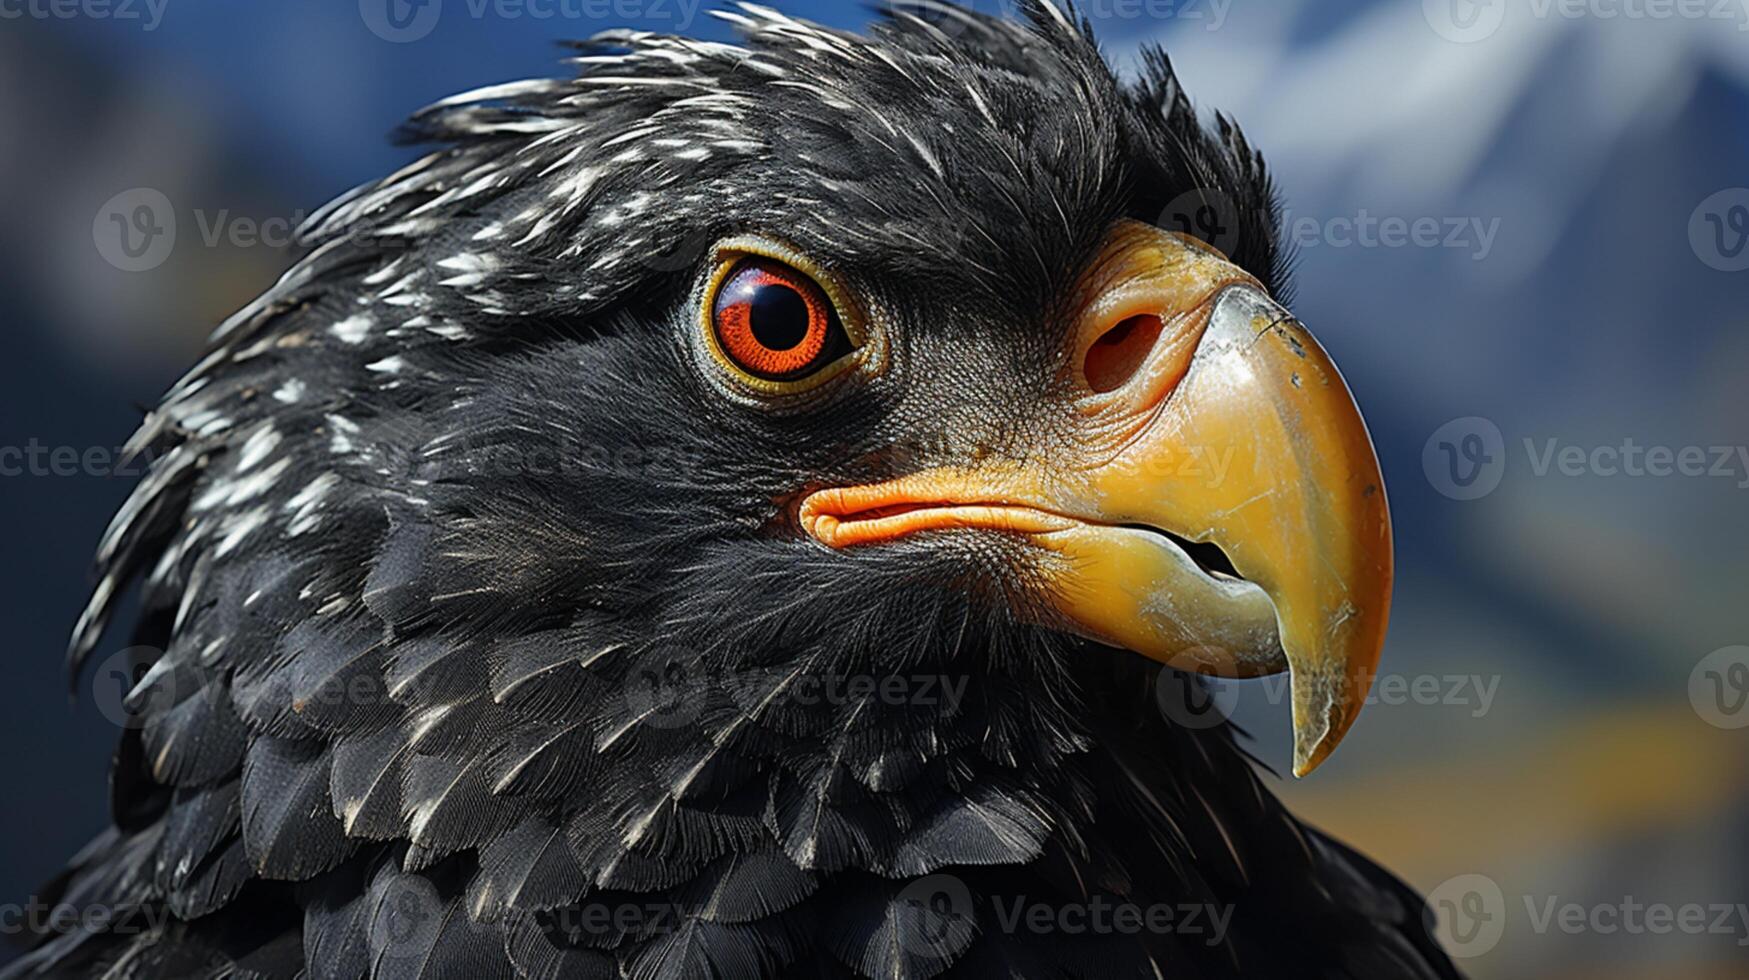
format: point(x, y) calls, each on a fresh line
point(733, 513)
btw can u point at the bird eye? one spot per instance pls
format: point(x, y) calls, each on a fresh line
point(774, 322)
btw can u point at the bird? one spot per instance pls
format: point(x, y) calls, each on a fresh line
point(754, 509)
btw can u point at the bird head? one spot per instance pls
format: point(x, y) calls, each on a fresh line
point(833, 347)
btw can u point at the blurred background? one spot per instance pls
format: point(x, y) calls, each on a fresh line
point(1523, 230)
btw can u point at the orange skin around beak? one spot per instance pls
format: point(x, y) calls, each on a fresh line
point(1208, 413)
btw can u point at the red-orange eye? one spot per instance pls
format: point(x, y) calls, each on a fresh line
point(774, 322)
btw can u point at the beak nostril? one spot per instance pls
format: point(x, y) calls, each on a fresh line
point(1117, 355)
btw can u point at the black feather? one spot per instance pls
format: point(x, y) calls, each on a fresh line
point(289, 827)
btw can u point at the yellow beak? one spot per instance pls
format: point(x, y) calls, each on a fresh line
point(1210, 414)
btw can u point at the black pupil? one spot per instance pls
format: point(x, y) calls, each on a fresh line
point(780, 317)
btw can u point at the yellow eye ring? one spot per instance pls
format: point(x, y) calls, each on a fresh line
point(775, 322)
